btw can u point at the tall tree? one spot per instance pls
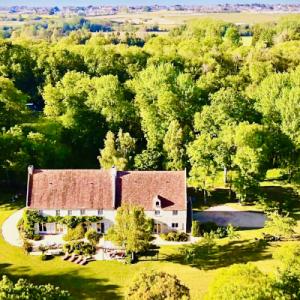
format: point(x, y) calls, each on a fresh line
point(118, 151)
point(132, 229)
point(173, 147)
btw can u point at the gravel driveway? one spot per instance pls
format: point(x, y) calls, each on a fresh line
point(223, 215)
point(10, 231)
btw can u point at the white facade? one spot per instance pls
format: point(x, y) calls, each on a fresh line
point(164, 220)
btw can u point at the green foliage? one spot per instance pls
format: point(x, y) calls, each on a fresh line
point(288, 277)
point(117, 152)
point(23, 289)
point(79, 247)
point(30, 218)
point(76, 233)
point(157, 285)
point(240, 282)
point(173, 147)
point(175, 236)
point(280, 226)
point(192, 252)
point(148, 160)
point(195, 98)
point(196, 228)
point(27, 246)
point(248, 282)
point(132, 229)
point(208, 227)
point(231, 232)
point(72, 221)
point(92, 236)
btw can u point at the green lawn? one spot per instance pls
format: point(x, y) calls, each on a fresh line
point(109, 280)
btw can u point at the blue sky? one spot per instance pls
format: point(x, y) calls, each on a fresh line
point(128, 2)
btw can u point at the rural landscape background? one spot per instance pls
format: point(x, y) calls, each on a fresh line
point(213, 89)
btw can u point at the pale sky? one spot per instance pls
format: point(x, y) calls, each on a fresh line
point(129, 2)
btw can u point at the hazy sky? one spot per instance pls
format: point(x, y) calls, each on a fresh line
point(129, 2)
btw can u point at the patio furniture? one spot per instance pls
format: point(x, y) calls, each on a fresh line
point(79, 259)
point(66, 256)
point(73, 257)
point(84, 261)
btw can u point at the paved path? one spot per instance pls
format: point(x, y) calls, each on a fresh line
point(10, 231)
point(223, 215)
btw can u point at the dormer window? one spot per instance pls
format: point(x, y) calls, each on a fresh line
point(156, 202)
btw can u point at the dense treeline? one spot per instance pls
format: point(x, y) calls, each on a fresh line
point(196, 98)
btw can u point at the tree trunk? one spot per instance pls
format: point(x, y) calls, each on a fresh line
point(204, 196)
point(225, 175)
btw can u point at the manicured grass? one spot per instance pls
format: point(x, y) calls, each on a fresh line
point(109, 280)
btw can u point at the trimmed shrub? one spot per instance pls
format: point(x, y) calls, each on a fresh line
point(27, 246)
point(174, 236)
point(92, 236)
point(76, 233)
point(157, 285)
point(208, 227)
point(37, 237)
point(79, 247)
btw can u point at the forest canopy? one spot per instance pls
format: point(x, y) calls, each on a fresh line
point(196, 98)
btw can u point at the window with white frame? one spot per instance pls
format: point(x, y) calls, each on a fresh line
point(57, 212)
point(175, 212)
point(82, 212)
point(69, 212)
point(174, 225)
point(100, 212)
point(157, 212)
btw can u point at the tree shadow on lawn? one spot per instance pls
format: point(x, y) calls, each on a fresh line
point(225, 255)
point(283, 197)
point(79, 287)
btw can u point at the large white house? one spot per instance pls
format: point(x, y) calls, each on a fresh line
point(162, 194)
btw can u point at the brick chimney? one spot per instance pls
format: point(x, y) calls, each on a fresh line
point(29, 182)
point(113, 172)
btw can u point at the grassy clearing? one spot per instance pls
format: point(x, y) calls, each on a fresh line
point(109, 280)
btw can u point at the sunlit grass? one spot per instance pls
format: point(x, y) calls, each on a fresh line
point(109, 280)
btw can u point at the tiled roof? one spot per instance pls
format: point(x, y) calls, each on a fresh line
point(71, 189)
point(143, 187)
point(100, 189)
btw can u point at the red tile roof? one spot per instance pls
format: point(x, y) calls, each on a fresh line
point(142, 187)
point(97, 189)
point(71, 189)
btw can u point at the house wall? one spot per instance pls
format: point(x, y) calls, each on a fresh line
point(108, 217)
point(165, 218)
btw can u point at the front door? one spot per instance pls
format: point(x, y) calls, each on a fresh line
point(102, 228)
point(157, 228)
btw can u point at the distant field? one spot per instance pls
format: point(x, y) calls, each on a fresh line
point(169, 19)
point(165, 19)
